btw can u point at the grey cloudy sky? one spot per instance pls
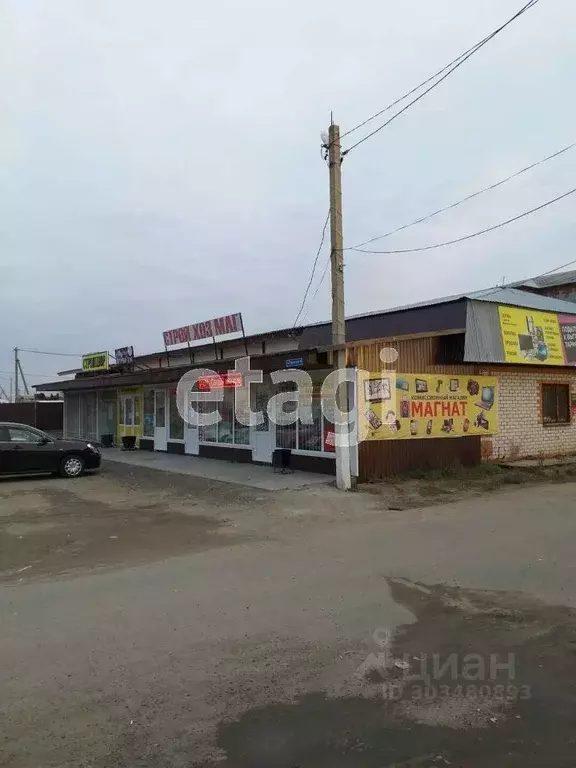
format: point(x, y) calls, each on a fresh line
point(160, 162)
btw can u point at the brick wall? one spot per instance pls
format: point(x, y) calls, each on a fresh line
point(564, 292)
point(521, 432)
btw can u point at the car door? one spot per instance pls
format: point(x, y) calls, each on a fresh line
point(6, 454)
point(27, 453)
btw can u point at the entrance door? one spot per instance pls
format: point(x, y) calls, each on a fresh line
point(191, 434)
point(160, 429)
point(263, 436)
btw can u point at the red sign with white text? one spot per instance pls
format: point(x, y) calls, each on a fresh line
point(219, 381)
point(219, 326)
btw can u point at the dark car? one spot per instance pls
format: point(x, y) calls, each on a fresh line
point(25, 449)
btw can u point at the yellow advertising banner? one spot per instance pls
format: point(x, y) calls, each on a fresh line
point(414, 406)
point(95, 361)
point(531, 337)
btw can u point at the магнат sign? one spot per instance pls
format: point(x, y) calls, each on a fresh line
point(409, 406)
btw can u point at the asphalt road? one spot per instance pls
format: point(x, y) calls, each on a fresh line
point(152, 621)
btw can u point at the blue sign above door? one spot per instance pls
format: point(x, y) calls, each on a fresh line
point(295, 362)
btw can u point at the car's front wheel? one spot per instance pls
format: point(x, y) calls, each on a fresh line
point(72, 466)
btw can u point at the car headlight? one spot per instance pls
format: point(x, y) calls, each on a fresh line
point(92, 447)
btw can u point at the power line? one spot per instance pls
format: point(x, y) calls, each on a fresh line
point(406, 95)
point(35, 375)
point(313, 269)
point(451, 68)
point(42, 352)
point(515, 283)
point(464, 200)
point(474, 234)
point(550, 271)
point(413, 90)
point(328, 261)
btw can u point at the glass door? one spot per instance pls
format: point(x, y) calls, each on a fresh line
point(191, 436)
point(160, 430)
point(263, 436)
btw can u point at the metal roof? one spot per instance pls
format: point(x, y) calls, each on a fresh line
point(517, 298)
point(548, 281)
point(317, 335)
point(498, 295)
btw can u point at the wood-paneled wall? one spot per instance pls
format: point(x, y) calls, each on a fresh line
point(381, 458)
point(416, 355)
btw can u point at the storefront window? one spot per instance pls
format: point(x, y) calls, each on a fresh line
point(286, 436)
point(176, 422)
point(160, 415)
point(317, 436)
point(207, 434)
point(137, 410)
point(261, 395)
point(149, 413)
point(310, 435)
point(107, 413)
point(226, 425)
point(229, 430)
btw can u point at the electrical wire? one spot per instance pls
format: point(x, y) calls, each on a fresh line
point(451, 68)
point(324, 273)
point(41, 352)
point(550, 271)
point(464, 200)
point(474, 234)
point(35, 375)
point(516, 283)
point(313, 268)
point(410, 92)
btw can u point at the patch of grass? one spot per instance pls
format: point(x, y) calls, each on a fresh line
point(449, 483)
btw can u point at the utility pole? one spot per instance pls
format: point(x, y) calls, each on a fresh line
point(343, 479)
point(16, 365)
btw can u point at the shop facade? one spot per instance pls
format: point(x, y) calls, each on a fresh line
point(96, 408)
point(510, 354)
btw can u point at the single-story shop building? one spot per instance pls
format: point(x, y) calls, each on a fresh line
point(489, 375)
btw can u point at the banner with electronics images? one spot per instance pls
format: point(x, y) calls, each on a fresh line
point(537, 338)
point(414, 406)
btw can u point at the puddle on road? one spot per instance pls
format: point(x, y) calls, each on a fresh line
point(528, 723)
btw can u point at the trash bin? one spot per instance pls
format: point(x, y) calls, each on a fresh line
point(107, 441)
point(128, 442)
point(282, 460)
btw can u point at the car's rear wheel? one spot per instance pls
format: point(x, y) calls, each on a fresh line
point(72, 466)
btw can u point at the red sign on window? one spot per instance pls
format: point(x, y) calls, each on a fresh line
point(220, 381)
point(330, 439)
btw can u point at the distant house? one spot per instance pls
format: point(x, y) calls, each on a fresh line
point(561, 285)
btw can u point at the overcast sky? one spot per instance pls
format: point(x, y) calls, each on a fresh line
point(160, 162)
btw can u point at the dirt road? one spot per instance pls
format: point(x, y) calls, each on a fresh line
point(152, 620)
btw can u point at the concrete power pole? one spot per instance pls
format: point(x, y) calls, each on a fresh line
point(16, 365)
point(343, 479)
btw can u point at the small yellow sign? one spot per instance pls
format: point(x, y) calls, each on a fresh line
point(531, 337)
point(404, 406)
point(95, 361)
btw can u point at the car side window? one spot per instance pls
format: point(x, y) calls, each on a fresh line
point(22, 435)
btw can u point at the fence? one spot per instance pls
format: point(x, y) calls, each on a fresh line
point(45, 415)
